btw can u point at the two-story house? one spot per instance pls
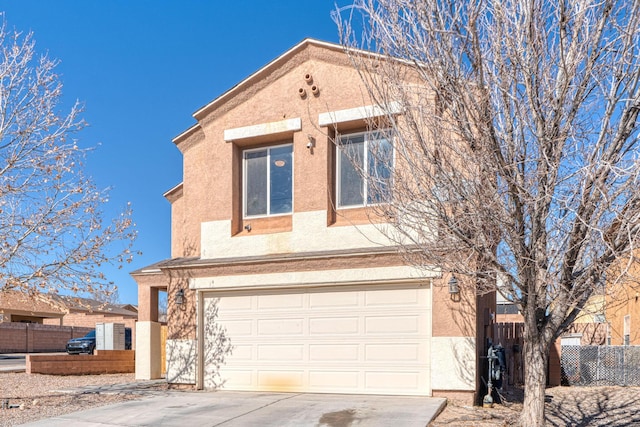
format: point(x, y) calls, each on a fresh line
point(274, 250)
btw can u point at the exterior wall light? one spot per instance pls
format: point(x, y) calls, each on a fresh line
point(454, 289)
point(180, 297)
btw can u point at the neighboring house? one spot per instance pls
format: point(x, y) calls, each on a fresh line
point(63, 310)
point(87, 312)
point(622, 308)
point(507, 311)
point(271, 238)
point(593, 310)
point(590, 327)
point(22, 308)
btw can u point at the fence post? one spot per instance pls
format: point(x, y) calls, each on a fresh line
point(29, 338)
point(624, 365)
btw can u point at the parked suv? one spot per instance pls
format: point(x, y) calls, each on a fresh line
point(87, 343)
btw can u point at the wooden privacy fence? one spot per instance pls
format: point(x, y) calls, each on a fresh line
point(509, 336)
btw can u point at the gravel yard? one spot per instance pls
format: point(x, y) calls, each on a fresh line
point(44, 396)
point(565, 406)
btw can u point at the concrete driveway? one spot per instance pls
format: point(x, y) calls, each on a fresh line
point(229, 409)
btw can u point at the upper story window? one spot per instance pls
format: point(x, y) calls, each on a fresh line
point(268, 181)
point(364, 164)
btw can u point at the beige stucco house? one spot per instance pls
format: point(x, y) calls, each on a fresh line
point(273, 247)
point(19, 307)
point(622, 304)
point(57, 310)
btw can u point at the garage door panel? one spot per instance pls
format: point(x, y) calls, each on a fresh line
point(238, 379)
point(393, 298)
point(333, 326)
point(241, 352)
point(280, 326)
point(334, 352)
point(281, 380)
point(271, 302)
point(393, 324)
point(363, 341)
point(334, 380)
point(235, 303)
point(393, 381)
point(238, 328)
point(331, 299)
point(281, 352)
point(393, 352)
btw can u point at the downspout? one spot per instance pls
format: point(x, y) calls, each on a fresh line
point(199, 340)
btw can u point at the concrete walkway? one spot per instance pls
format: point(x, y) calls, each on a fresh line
point(232, 409)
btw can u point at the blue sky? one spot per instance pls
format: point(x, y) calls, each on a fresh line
point(141, 68)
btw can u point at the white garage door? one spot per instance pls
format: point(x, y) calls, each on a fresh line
point(356, 341)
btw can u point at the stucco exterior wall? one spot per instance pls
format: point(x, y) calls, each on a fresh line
point(182, 355)
point(314, 247)
point(209, 161)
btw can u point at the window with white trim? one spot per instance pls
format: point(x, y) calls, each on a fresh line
point(364, 163)
point(268, 181)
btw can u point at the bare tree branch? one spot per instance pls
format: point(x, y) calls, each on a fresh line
point(517, 151)
point(55, 238)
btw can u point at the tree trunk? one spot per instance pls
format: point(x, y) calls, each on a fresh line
point(536, 359)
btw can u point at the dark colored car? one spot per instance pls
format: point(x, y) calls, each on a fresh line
point(87, 343)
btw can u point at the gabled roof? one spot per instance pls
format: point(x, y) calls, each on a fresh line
point(256, 76)
point(89, 305)
point(33, 305)
point(49, 305)
point(273, 64)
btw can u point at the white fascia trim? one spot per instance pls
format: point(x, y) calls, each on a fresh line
point(191, 129)
point(358, 113)
point(151, 270)
point(308, 279)
point(174, 188)
point(271, 128)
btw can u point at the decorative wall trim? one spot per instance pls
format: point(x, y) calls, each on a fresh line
point(358, 113)
point(271, 128)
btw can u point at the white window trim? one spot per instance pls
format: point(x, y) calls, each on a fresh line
point(365, 162)
point(244, 182)
point(359, 113)
point(288, 126)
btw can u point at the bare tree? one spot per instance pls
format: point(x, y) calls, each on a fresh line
point(54, 238)
point(516, 153)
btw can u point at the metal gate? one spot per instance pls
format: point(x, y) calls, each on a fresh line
point(594, 365)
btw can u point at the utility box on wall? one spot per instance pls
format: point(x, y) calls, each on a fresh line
point(109, 336)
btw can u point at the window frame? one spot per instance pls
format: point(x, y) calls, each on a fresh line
point(367, 139)
point(267, 148)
